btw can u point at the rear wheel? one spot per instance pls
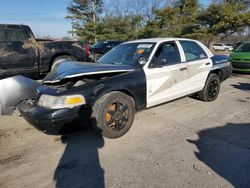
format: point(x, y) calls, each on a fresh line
point(211, 89)
point(113, 114)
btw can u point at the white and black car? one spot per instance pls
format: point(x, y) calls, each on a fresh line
point(133, 76)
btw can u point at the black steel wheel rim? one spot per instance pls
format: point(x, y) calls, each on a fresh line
point(213, 89)
point(116, 116)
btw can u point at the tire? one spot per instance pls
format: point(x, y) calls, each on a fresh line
point(211, 90)
point(113, 114)
point(58, 60)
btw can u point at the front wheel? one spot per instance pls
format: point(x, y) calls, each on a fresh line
point(211, 89)
point(113, 114)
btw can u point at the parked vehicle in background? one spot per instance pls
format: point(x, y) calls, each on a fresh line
point(230, 44)
point(86, 46)
point(87, 50)
point(240, 58)
point(133, 76)
point(22, 54)
point(221, 46)
point(102, 47)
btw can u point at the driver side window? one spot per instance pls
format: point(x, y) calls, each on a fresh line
point(166, 54)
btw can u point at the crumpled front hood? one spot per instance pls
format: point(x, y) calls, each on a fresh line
point(72, 69)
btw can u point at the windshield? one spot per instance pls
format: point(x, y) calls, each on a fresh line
point(127, 54)
point(245, 47)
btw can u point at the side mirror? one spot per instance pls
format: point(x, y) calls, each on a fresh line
point(142, 60)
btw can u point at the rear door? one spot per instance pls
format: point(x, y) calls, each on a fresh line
point(17, 53)
point(198, 63)
point(166, 75)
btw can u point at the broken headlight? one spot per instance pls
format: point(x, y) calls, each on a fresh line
point(59, 102)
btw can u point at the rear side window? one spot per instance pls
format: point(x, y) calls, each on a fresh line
point(11, 34)
point(193, 51)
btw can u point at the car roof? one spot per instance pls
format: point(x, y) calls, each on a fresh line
point(157, 40)
point(14, 25)
point(160, 40)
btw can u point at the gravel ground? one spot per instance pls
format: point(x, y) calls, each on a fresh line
point(185, 143)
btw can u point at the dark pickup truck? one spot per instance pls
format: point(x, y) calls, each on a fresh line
point(22, 54)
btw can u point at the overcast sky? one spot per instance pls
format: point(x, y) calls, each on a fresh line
point(45, 17)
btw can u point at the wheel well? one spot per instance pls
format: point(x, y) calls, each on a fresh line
point(129, 94)
point(219, 73)
point(56, 56)
point(125, 92)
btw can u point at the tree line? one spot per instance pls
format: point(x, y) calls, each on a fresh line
point(125, 20)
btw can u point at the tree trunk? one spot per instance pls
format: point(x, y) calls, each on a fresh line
point(210, 44)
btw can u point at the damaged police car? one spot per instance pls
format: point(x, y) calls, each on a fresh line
point(133, 76)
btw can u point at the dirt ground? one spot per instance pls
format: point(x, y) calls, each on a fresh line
point(185, 143)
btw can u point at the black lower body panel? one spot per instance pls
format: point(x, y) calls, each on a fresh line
point(226, 72)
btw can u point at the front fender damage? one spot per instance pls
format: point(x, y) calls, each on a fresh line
point(14, 90)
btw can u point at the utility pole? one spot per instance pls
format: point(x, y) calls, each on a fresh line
point(94, 17)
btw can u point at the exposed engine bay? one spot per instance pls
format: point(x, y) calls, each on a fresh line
point(69, 83)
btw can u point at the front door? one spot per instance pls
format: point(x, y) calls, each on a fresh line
point(166, 75)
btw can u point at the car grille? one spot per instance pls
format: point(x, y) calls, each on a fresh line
point(239, 65)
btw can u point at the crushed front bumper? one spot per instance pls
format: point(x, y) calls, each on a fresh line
point(54, 122)
point(13, 90)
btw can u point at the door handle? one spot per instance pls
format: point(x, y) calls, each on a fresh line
point(208, 63)
point(184, 68)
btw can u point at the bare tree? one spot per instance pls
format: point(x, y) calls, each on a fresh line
point(144, 8)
